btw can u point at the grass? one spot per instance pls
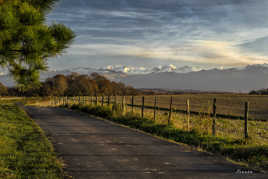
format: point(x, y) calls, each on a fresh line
point(25, 152)
point(226, 128)
point(227, 104)
point(255, 155)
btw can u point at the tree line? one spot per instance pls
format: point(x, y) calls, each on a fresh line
point(73, 85)
point(259, 92)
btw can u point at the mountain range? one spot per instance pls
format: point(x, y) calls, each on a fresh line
point(170, 77)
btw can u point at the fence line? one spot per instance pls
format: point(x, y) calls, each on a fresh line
point(108, 100)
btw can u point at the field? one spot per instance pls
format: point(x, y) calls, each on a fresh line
point(229, 139)
point(25, 152)
point(230, 109)
point(229, 105)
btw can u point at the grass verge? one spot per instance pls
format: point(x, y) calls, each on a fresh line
point(25, 152)
point(255, 156)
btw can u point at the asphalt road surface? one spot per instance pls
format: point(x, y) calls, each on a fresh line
point(99, 149)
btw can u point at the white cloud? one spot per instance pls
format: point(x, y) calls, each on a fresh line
point(147, 70)
point(201, 51)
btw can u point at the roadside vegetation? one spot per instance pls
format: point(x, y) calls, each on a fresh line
point(25, 152)
point(250, 152)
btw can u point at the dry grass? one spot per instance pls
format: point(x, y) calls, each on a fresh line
point(227, 104)
point(225, 127)
point(250, 152)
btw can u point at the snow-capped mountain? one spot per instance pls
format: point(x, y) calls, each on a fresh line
point(170, 77)
point(231, 80)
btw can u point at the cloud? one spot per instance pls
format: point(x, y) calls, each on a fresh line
point(201, 51)
point(147, 70)
point(195, 32)
point(225, 53)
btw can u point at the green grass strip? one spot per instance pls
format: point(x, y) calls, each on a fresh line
point(25, 152)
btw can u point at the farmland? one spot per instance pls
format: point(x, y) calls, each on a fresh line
point(230, 110)
point(227, 104)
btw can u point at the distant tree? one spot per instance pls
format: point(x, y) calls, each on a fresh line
point(3, 90)
point(58, 85)
point(12, 92)
point(77, 85)
point(259, 92)
point(104, 85)
point(253, 92)
point(46, 88)
point(26, 41)
point(81, 85)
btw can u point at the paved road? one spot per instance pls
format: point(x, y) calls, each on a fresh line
point(99, 149)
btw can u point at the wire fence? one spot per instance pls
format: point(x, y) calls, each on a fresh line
point(215, 116)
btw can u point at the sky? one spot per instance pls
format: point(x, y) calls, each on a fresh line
point(148, 33)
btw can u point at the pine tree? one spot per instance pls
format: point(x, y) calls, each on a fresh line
point(26, 41)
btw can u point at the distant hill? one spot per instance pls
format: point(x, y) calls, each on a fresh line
point(228, 80)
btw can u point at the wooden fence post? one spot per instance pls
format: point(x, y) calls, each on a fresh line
point(170, 110)
point(246, 120)
point(155, 104)
point(214, 115)
point(142, 107)
point(115, 100)
point(123, 103)
point(96, 102)
point(132, 104)
point(102, 100)
point(108, 102)
point(188, 114)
